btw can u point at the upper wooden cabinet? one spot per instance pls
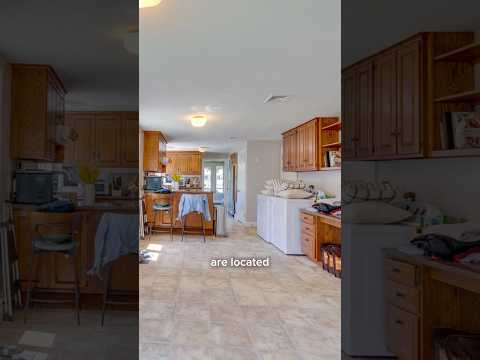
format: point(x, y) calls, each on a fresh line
point(154, 151)
point(184, 162)
point(305, 146)
point(105, 139)
point(37, 108)
point(393, 101)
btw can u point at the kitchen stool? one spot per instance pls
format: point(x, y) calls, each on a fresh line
point(157, 209)
point(54, 233)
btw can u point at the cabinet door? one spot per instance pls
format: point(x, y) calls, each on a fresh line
point(402, 333)
point(385, 118)
point(151, 151)
point(409, 99)
point(285, 151)
point(365, 110)
point(349, 115)
point(129, 148)
point(310, 148)
point(81, 150)
point(108, 139)
point(301, 153)
point(293, 151)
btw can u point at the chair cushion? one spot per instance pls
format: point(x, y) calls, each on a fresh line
point(157, 207)
point(45, 244)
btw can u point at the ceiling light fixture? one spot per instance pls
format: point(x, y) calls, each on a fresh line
point(202, 149)
point(148, 3)
point(198, 120)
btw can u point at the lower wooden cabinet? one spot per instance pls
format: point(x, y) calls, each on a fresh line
point(316, 230)
point(402, 299)
point(402, 333)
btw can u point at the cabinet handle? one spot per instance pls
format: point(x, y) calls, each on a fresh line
point(399, 322)
point(400, 295)
point(395, 270)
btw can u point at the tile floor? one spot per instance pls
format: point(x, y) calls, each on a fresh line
point(118, 339)
point(189, 310)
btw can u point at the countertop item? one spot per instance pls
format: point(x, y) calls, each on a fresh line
point(314, 212)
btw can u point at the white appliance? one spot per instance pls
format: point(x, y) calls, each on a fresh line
point(363, 308)
point(220, 228)
point(278, 222)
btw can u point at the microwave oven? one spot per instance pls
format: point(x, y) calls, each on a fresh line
point(33, 187)
point(152, 183)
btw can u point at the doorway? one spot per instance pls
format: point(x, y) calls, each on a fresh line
point(214, 179)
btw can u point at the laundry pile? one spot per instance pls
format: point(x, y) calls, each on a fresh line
point(464, 249)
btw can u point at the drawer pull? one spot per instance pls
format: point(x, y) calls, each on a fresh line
point(399, 322)
point(306, 239)
point(400, 295)
point(396, 270)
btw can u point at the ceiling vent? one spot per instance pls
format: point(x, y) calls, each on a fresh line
point(276, 99)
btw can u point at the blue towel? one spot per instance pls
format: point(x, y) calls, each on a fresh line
point(194, 203)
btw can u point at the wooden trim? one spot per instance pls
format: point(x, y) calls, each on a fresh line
point(302, 124)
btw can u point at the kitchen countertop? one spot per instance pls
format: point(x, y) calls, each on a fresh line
point(312, 211)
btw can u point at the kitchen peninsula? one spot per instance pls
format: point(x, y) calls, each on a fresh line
point(162, 220)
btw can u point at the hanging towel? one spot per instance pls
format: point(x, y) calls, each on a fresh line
point(194, 203)
point(117, 235)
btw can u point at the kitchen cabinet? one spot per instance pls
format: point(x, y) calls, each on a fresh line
point(108, 139)
point(385, 117)
point(37, 109)
point(409, 75)
point(80, 151)
point(105, 139)
point(365, 110)
point(349, 114)
point(305, 146)
point(184, 162)
point(290, 152)
point(130, 139)
point(154, 151)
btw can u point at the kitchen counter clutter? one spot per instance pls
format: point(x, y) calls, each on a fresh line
point(162, 220)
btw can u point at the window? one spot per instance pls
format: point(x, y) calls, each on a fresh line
point(207, 179)
point(219, 179)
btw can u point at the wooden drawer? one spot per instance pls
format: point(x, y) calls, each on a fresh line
point(308, 228)
point(307, 219)
point(308, 245)
point(404, 297)
point(402, 333)
point(401, 272)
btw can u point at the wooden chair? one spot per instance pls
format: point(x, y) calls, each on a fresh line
point(54, 233)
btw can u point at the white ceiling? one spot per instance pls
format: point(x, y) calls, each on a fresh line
point(83, 41)
point(223, 58)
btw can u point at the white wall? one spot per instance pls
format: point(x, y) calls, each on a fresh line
point(263, 163)
point(5, 163)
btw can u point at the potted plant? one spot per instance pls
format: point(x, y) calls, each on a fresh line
point(176, 181)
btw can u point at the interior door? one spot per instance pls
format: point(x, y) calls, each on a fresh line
point(385, 118)
point(409, 99)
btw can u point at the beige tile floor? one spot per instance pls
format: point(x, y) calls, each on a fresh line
point(118, 339)
point(191, 311)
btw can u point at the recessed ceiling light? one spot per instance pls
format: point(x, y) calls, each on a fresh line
point(148, 3)
point(276, 98)
point(198, 120)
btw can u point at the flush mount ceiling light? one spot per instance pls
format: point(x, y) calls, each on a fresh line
point(202, 149)
point(198, 120)
point(148, 3)
point(130, 41)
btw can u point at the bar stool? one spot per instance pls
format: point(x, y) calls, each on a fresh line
point(55, 233)
point(183, 215)
point(163, 204)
